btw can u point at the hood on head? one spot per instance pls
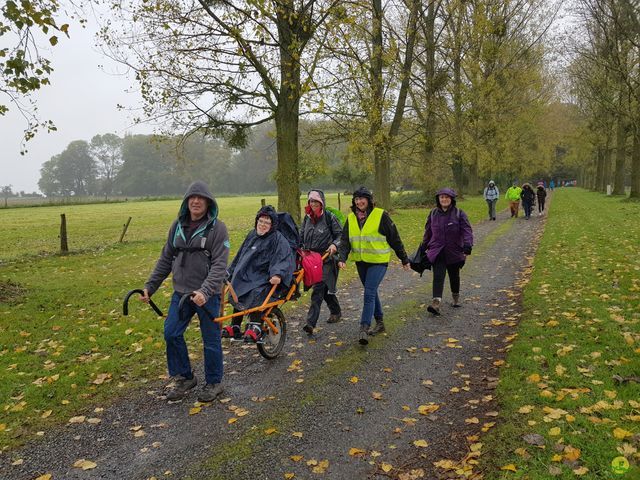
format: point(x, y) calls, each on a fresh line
point(449, 192)
point(363, 192)
point(491, 182)
point(201, 189)
point(269, 211)
point(316, 195)
point(526, 185)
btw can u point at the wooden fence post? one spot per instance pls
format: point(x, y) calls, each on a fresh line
point(124, 229)
point(263, 202)
point(339, 202)
point(64, 246)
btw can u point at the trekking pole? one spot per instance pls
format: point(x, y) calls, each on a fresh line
point(187, 298)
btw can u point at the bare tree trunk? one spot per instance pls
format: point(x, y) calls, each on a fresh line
point(401, 102)
point(607, 168)
point(635, 164)
point(382, 177)
point(287, 117)
point(621, 142)
point(599, 180)
point(457, 165)
point(428, 118)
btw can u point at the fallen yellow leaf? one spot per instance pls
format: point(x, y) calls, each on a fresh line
point(295, 458)
point(511, 467)
point(355, 452)
point(353, 379)
point(270, 431)
point(289, 475)
point(621, 433)
point(84, 464)
point(386, 468)
point(194, 410)
point(421, 443)
point(297, 434)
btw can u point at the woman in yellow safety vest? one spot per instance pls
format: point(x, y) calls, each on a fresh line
point(369, 234)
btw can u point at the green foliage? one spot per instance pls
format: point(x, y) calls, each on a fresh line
point(23, 69)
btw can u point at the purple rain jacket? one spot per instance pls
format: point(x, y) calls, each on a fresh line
point(447, 231)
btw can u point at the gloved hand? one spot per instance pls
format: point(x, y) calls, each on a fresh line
point(467, 249)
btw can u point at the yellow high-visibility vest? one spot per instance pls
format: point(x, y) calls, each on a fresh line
point(368, 245)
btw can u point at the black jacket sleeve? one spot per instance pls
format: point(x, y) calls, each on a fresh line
point(390, 231)
point(345, 245)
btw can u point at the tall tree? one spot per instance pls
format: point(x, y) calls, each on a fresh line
point(221, 67)
point(107, 152)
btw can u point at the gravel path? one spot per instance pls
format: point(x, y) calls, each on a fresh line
point(303, 413)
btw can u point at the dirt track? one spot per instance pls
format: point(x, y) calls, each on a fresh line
point(310, 395)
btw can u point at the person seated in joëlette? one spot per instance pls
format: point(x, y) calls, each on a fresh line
point(264, 259)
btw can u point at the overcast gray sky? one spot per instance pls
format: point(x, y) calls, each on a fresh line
point(81, 101)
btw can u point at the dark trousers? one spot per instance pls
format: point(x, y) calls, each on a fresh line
point(320, 293)
point(175, 325)
point(541, 204)
point(440, 269)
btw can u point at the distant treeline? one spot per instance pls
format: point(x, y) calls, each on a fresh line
point(156, 165)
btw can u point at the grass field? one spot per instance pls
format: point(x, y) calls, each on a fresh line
point(571, 377)
point(64, 344)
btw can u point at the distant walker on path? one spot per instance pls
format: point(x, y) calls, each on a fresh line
point(491, 195)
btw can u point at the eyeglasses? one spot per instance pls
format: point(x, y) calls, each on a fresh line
point(264, 222)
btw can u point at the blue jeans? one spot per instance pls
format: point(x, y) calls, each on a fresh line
point(371, 275)
point(174, 328)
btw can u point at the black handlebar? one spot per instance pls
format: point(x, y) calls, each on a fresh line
point(125, 304)
point(187, 298)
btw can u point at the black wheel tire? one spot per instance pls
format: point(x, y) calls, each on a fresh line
point(272, 344)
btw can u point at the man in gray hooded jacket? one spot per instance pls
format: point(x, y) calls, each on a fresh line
point(196, 253)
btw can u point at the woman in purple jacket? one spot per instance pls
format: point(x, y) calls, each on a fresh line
point(448, 239)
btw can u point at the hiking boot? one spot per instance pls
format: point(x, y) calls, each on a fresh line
point(210, 392)
point(181, 386)
point(379, 328)
point(253, 333)
point(308, 329)
point(334, 318)
point(434, 307)
point(363, 337)
point(231, 331)
point(456, 300)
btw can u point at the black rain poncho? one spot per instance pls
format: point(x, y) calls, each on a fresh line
point(258, 259)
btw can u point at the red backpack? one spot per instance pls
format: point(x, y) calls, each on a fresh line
point(311, 262)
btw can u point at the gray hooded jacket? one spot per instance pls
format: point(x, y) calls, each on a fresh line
point(199, 261)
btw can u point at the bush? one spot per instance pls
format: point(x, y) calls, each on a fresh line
point(412, 200)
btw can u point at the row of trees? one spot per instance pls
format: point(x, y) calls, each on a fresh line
point(427, 90)
point(153, 165)
point(606, 88)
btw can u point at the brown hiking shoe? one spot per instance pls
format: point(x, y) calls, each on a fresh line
point(210, 392)
point(379, 328)
point(434, 307)
point(181, 386)
point(456, 300)
point(363, 337)
point(334, 318)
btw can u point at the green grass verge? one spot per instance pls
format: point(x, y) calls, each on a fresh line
point(64, 344)
point(578, 332)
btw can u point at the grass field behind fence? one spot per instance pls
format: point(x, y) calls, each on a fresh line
point(572, 374)
point(64, 344)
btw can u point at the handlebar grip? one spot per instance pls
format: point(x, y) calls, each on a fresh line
point(187, 298)
point(125, 303)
